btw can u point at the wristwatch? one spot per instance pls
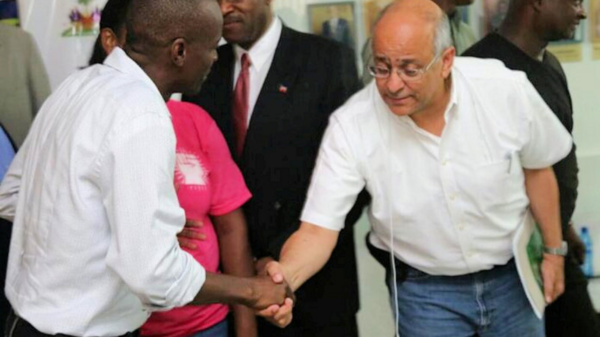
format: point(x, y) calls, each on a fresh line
point(562, 251)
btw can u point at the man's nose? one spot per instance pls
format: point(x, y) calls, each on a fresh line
point(395, 83)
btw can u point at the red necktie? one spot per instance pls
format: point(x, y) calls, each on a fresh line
point(240, 105)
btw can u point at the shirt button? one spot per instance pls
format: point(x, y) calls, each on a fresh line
point(277, 205)
point(461, 226)
point(444, 162)
point(453, 197)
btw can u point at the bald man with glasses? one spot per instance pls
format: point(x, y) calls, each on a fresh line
point(455, 153)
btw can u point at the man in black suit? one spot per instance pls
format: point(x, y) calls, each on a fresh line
point(271, 92)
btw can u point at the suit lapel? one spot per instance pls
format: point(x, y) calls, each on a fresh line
point(276, 93)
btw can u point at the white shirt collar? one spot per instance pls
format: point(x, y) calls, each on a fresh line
point(261, 50)
point(120, 61)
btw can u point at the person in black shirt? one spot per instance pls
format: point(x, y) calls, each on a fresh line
point(520, 43)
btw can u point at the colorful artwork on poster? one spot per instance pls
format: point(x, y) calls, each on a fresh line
point(84, 20)
point(334, 21)
point(9, 13)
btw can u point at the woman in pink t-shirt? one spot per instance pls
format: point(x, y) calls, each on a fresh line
point(211, 190)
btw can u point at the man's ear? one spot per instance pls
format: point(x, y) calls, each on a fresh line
point(447, 61)
point(178, 52)
point(108, 39)
point(536, 4)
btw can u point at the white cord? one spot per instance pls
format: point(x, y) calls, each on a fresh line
point(390, 215)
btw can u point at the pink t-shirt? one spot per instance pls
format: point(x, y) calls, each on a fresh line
point(208, 183)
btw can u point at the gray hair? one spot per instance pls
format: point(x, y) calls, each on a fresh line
point(442, 37)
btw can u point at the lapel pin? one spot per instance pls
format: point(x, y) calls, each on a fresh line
point(283, 89)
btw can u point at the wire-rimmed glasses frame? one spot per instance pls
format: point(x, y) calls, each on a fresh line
point(407, 75)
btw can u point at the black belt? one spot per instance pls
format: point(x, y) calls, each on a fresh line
point(18, 327)
point(383, 257)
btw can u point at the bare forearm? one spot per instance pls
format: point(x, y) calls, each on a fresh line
point(236, 260)
point(234, 247)
point(219, 288)
point(542, 191)
point(245, 321)
point(306, 252)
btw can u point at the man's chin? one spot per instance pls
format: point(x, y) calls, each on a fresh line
point(401, 110)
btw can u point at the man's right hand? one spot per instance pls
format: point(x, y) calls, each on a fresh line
point(266, 292)
point(279, 315)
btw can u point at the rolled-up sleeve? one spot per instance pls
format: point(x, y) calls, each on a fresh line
point(144, 214)
point(336, 180)
point(545, 141)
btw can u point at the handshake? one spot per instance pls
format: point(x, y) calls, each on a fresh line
point(272, 297)
point(268, 294)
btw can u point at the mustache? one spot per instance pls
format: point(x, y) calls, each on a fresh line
point(396, 95)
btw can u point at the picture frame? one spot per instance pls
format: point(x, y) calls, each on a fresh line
point(335, 20)
point(9, 13)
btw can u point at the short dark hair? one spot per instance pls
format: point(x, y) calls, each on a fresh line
point(155, 23)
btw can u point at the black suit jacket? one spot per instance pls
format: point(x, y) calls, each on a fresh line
point(309, 78)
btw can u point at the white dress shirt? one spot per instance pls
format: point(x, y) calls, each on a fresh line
point(95, 213)
point(450, 203)
point(261, 56)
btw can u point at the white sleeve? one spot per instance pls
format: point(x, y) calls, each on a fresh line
point(336, 181)
point(144, 214)
point(545, 141)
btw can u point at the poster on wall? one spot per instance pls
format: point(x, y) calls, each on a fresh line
point(65, 31)
point(594, 17)
point(9, 13)
point(334, 21)
point(371, 10)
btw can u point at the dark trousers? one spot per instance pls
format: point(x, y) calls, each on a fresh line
point(345, 328)
point(18, 327)
point(573, 313)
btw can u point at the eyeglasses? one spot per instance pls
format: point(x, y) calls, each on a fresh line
point(407, 74)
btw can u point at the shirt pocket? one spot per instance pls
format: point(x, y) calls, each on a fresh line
point(500, 184)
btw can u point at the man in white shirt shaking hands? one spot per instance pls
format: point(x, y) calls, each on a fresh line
point(91, 193)
point(454, 152)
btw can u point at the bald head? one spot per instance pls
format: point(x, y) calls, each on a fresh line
point(153, 24)
point(412, 49)
point(415, 20)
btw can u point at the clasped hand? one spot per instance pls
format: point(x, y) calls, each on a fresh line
point(279, 315)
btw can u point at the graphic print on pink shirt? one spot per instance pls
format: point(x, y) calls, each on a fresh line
point(189, 171)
